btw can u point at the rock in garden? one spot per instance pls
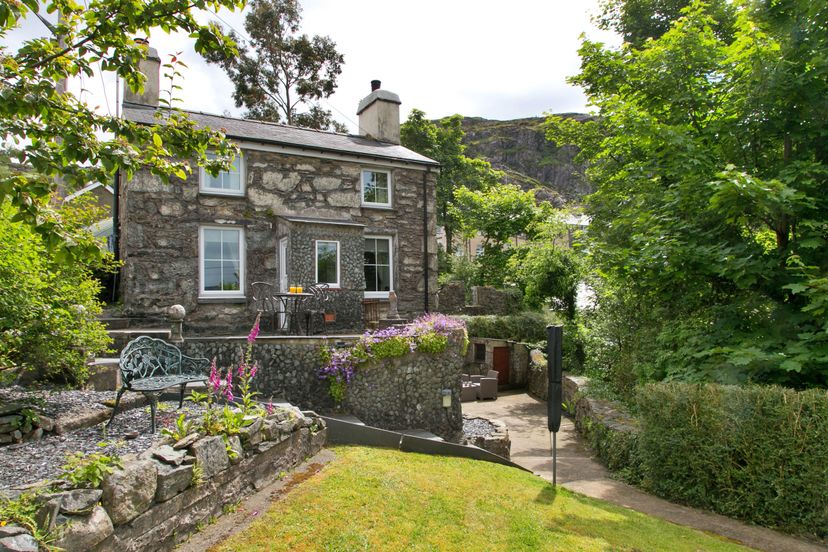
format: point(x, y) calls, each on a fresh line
point(11, 408)
point(236, 447)
point(129, 491)
point(80, 501)
point(11, 530)
point(47, 513)
point(186, 441)
point(23, 542)
point(252, 434)
point(83, 532)
point(211, 455)
point(169, 455)
point(172, 480)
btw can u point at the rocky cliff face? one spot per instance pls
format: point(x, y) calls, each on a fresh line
point(520, 149)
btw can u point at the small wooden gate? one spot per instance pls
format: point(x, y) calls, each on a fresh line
point(501, 362)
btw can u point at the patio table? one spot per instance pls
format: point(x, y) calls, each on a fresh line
point(293, 307)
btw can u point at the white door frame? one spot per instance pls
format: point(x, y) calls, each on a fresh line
point(283, 275)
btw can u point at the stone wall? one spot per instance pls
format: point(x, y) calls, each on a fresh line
point(154, 502)
point(486, 300)
point(400, 393)
point(159, 240)
point(406, 392)
point(518, 359)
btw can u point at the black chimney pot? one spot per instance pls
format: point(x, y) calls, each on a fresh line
point(375, 85)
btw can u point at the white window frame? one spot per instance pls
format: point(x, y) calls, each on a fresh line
point(203, 179)
point(362, 189)
point(316, 262)
point(212, 294)
point(382, 294)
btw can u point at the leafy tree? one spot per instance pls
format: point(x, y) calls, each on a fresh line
point(499, 213)
point(710, 164)
point(639, 20)
point(443, 142)
point(545, 269)
point(48, 308)
point(280, 70)
point(52, 134)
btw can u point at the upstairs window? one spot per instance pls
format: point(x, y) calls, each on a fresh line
point(327, 263)
point(222, 261)
point(378, 273)
point(226, 182)
point(376, 188)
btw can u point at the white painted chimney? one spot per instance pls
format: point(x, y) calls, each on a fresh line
point(379, 115)
point(151, 68)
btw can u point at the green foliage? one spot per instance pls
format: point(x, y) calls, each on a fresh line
point(525, 327)
point(183, 427)
point(394, 346)
point(617, 450)
point(48, 309)
point(755, 452)
point(709, 220)
point(52, 134)
point(640, 20)
point(431, 342)
point(281, 70)
point(22, 511)
point(89, 470)
point(443, 142)
point(545, 270)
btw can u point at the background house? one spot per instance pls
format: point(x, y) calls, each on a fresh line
point(299, 206)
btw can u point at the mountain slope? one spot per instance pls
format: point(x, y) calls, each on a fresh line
point(520, 149)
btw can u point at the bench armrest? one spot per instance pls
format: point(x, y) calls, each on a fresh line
point(191, 366)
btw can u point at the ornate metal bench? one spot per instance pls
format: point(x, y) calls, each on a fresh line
point(150, 366)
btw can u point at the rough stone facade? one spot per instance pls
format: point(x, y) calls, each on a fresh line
point(399, 393)
point(159, 238)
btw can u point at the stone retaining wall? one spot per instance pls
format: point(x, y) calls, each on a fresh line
point(400, 393)
point(155, 501)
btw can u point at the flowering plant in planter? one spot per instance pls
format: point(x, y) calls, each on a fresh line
point(428, 334)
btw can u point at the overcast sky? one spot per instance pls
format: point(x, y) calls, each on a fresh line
point(498, 60)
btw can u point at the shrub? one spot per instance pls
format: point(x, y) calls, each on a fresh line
point(756, 452)
point(48, 308)
point(89, 470)
point(525, 327)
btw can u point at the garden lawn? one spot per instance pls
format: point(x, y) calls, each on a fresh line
point(379, 499)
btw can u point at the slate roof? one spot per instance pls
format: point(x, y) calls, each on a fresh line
point(283, 135)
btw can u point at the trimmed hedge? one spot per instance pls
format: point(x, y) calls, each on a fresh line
point(759, 453)
point(524, 327)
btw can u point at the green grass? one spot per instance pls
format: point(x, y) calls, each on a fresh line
point(377, 499)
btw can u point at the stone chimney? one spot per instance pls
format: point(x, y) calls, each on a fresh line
point(379, 115)
point(150, 67)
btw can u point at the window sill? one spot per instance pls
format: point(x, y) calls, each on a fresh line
point(221, 193)
point(225, 300)
point(378, 206)
point(376, 294)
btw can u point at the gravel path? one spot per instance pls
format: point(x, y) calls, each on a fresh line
point(34, 461)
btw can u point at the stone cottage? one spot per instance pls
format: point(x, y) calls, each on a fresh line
point(298, 207)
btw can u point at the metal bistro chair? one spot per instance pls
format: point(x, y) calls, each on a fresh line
point(317, 306)
point(266, 303)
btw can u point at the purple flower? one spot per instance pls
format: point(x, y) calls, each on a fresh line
point(254, 369)
point(228, 390)
point(269, 408)
point(215, 378)
point(254, 331)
